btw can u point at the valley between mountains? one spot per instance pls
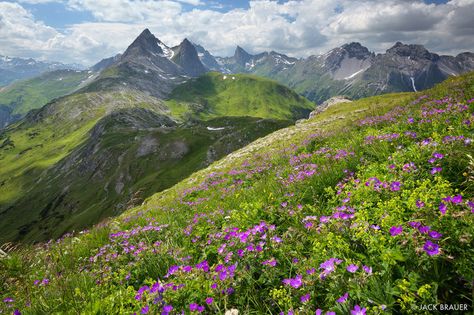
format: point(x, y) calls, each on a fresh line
point(166, 180)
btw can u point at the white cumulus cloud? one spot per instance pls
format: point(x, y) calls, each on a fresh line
point(295, 27)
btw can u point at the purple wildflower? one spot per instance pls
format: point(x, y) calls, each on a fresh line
point(420, 204)
point(305, 298)
point(352, 268)
point(145, 309)
point(328, 266)
point(367, 269)
point(435, 234)
point(456, 199)
point(358, 310)
point(470, 204)
point(194, 307)
point(435, 170)
point(310, 271)
point(167, 309)
point(431, 248)
point(172, 270)
point(343, 298)
point(271, 262)
point(17, 312)
point(395, 230)
point(395, 186)
point(424, 229)
point(442, 208)
point(294, 282)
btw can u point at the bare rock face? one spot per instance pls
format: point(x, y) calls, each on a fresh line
point(186, 56)
point(149, 65)
point(330, 102)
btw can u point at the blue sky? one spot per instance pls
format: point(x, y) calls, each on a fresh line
point(85, 31)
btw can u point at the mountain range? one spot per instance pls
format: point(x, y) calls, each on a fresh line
point(81, 146)
point(14, 68)
point(351, 70)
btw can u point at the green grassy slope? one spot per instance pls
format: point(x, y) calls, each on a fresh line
point(215, 94)
point(26, 95)
point(91, 155)
point(369, 205)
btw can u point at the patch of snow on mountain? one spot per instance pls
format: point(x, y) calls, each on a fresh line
point(350, 67)
point(215, 129)
point(250, 65)
point(167, 52)
point(354, 74)
point(280, 59)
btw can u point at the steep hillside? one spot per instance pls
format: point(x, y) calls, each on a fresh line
point(215, 94)
point(367, 207)
point(88, 156)
point(22, 96)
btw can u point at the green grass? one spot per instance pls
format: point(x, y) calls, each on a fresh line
point(26, 95)
point(259, 189)
point(212, 96)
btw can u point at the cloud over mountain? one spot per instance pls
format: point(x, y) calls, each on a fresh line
point(297, 28)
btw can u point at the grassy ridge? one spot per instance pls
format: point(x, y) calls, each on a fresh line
point(26, 95)
point(215, 94)
point(367, 207)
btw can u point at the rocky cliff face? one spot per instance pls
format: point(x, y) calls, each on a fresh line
point(150, 65)
point(185, 55)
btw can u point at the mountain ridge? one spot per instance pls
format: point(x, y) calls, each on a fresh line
point(351, 69)
point(16, 68)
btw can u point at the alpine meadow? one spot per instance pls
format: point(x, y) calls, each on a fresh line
point(222, 157)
